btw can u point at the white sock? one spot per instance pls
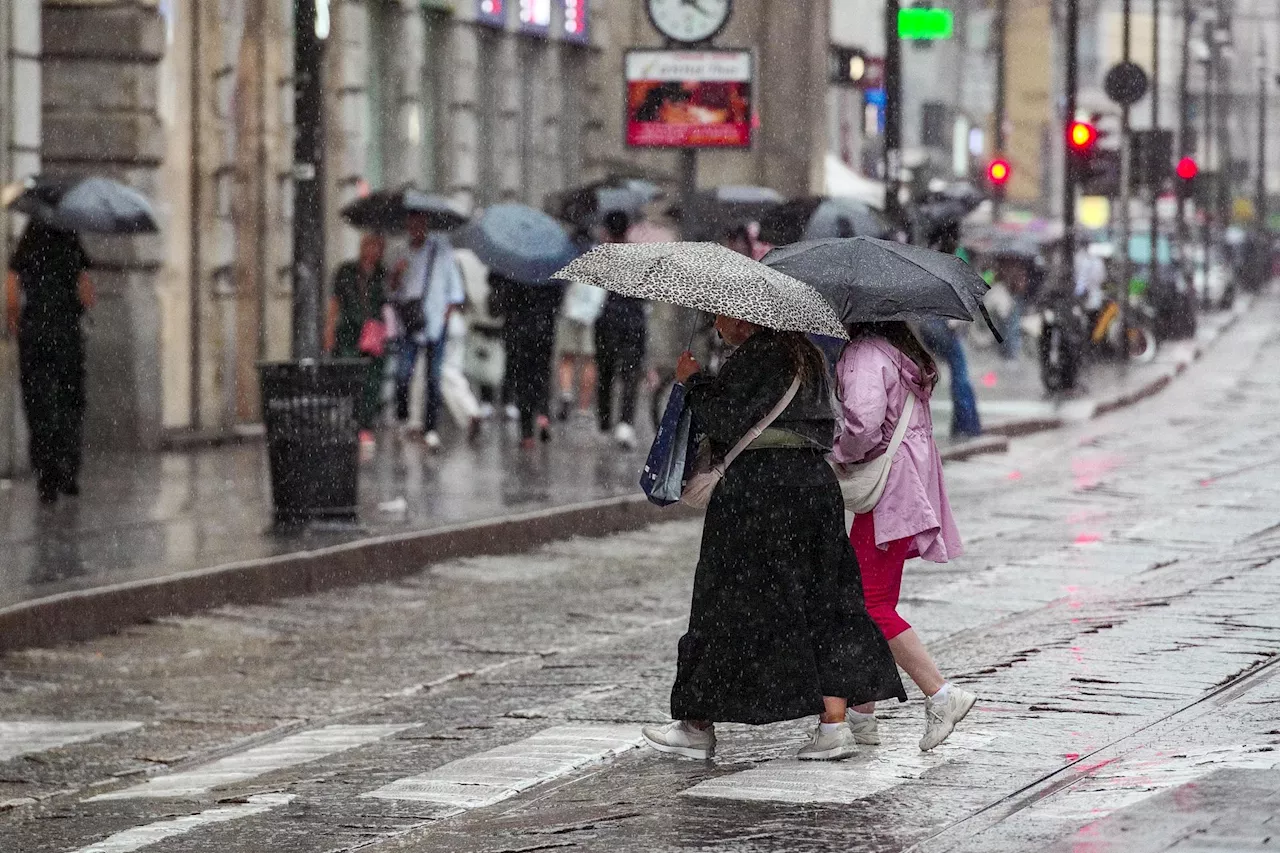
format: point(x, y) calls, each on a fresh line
point(941, 695)
point(828, 728)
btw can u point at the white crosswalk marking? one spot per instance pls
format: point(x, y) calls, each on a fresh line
point(296, 749)
point(25, 737)
point(144, 836)
point(493, 776)
point(873, 769)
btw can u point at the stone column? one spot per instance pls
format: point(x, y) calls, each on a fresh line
point(100, 117)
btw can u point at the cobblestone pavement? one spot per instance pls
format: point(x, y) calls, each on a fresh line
point(1118, 614)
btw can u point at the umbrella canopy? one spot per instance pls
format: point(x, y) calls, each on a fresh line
point(89, 205)
point(818, 217)
point(386, 210)
point(708, 277)
point(518, 242)
point(868, 280)
point(713, 213)
point(587, 205)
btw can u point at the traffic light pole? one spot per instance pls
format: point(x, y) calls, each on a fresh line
point(1208, 213)
point(1185, 149)
point(893, 114)
point(1001, 112)
point(1126, 191)
point(1069, 176)
point(1260, 191)
point(1151, 172)
point(308, 175)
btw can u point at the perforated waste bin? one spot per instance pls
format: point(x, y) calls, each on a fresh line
point(313, 444)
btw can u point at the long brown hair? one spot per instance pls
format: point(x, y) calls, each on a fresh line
point(806, 359)
point(904, 340)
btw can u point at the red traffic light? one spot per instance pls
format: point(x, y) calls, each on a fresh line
point(999, 172)
point(1082, 136)
point(1188, 168)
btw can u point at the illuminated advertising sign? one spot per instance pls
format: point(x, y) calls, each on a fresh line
point(575, 21)
point(491, 12)
point(689, 99)
point(535, 16)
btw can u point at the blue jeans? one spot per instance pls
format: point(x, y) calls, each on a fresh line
point(946, 344)
point(407, 361)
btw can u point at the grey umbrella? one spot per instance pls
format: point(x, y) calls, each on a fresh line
point(90, 205)
point(708, 277)
point(868, 280)
point(518, 242)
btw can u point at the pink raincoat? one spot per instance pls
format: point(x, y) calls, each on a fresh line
point(874, 378)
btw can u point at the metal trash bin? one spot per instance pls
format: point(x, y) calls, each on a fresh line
point(313, 443)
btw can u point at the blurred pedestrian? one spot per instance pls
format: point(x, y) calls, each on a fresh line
point(427, 288)
point(529, 330)
point(943, 340)
point(621, 333)
point(883, 367)
point(777, 627)
point(355, 326)
point(48, 291)
point(575, 340)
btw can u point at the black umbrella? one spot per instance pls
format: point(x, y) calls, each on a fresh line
point(89, 205)
point(818, 217)
point(868, 280)
point(589, 204)
point(713, 213)
point(386, 210)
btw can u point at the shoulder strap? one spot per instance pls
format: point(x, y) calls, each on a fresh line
point(755, 431)
point(900, 431)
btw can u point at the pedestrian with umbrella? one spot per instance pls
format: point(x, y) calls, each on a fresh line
point(621, 333)
point(47, 294)
point(777, 627)
point(523, 249)
point(885, 447)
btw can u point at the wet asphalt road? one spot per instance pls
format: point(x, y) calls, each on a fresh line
point(1118, 614)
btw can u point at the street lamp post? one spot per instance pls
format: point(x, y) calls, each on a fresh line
point(311, 28)
point(1185, 149)
point(892, 114)
point(1071, 38)
point(1155, 176)
point(1260, 190)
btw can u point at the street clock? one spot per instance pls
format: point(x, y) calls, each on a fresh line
point(689, 21)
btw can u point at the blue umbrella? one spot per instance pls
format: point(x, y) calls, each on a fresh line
point(519, 243)
point(94, 205)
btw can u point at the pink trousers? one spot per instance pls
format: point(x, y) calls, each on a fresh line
point(881, 574)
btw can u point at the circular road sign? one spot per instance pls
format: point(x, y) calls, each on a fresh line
point(1126, 83)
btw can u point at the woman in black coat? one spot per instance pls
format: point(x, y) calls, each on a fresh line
point(529, 335)
point(778, 629)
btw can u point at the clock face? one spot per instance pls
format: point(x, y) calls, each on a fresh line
point(689, 21)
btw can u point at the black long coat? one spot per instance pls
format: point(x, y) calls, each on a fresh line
point(778, 619)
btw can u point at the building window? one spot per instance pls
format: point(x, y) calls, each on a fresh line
point(535, 16)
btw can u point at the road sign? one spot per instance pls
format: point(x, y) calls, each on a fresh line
point(1126, 83)
point(925, 24)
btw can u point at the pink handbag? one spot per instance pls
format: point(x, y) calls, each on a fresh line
point(373, 338)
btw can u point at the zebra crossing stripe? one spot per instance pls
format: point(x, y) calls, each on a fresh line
point(153, 833)
point(872, 770)
point(22, 738)
point(492, 776)
point(293, 750)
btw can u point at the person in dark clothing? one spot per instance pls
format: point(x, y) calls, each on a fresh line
point(944, 342)
point(778, 628)
point(529, 334)
point(621, 333)
point(358, 296)
point(48, 291)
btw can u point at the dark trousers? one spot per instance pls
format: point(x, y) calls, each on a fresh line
point(433, 352)
point(529, 342)
point(619, 356)
point(51, 370)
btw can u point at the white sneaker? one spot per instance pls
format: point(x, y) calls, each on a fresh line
point(865, 728)
point(512, 413)
point(486, 411)
point(829, 746)
point(433, 441)
point(941, 716)
point(625, 436)
point(681, 738)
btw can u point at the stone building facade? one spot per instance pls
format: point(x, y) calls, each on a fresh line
point(190, 101)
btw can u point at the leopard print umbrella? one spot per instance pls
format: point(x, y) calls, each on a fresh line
point(709, 277)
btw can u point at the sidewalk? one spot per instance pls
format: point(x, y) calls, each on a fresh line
point(171, 532)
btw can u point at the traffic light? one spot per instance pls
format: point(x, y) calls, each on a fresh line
point(1082, 138)
point(1186, 170)
point(998, 174)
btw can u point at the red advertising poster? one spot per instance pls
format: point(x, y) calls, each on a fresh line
point(689, 99)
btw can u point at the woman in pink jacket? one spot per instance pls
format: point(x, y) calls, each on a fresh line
point(882, 365)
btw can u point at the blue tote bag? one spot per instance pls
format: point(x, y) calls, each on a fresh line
point(665, 470)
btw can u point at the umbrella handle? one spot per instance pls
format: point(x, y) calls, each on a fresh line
point(990, 324)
